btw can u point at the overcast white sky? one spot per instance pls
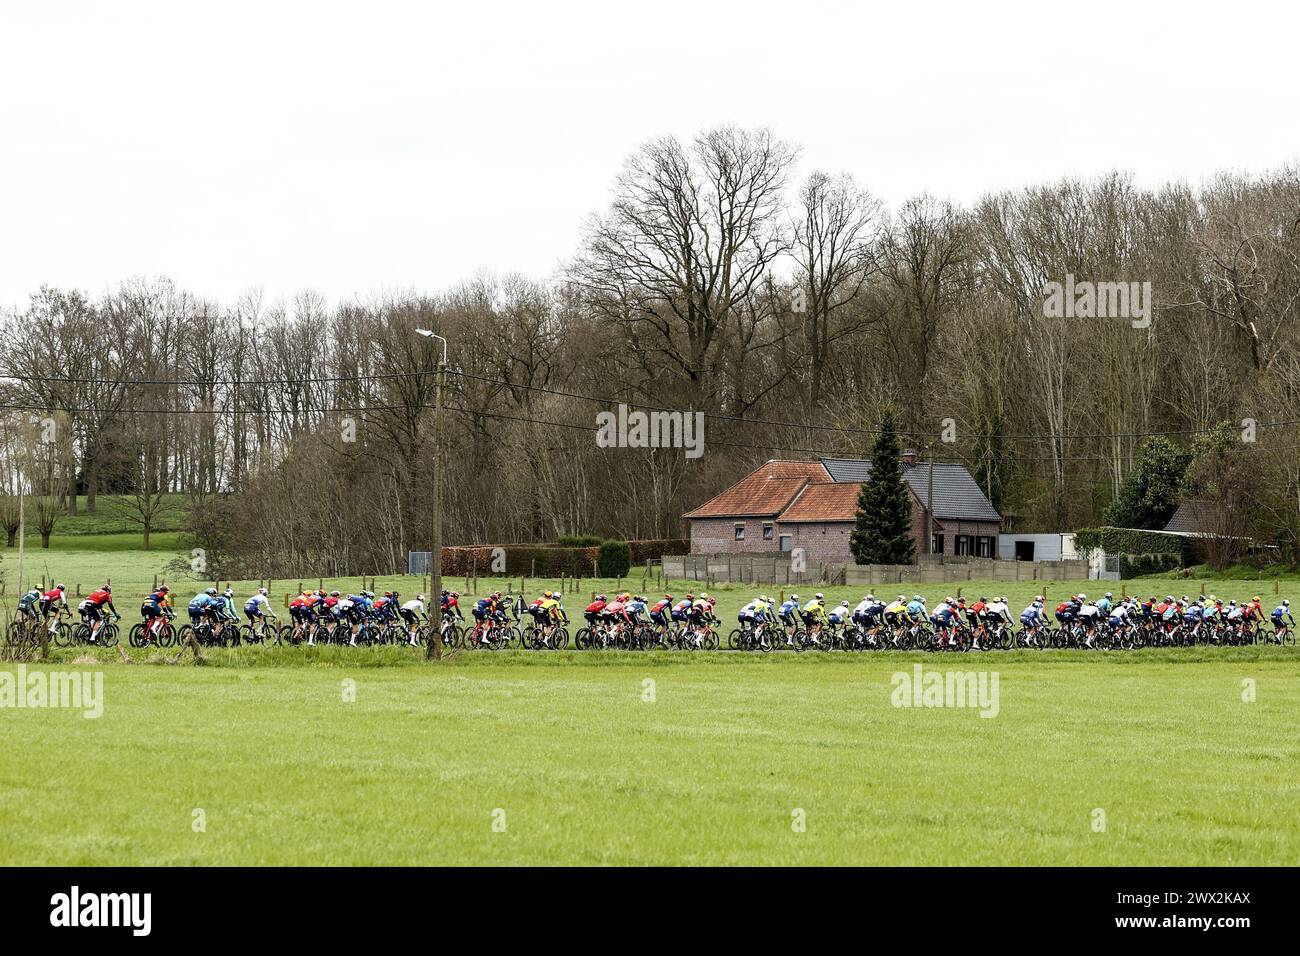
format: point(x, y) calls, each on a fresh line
point(369, 146)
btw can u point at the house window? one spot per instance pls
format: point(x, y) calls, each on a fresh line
point(936, 544)
point(984, 545)
point(786, 542)
point(962, 544)
point(740, 532)
point(769, 531)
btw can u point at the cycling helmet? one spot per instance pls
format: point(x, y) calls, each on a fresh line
point(668, 597)
point(334, 594)
point(915, 597)
point(261, 591)
point(454, 594)
point(1108, 594)
point(601, 597)
point(794, 597)
point(162, 590)
point(871, 597)
point(1082, 597)
point(229, 593)
point(690, 596)
point(1286, 603)
point(844, 604)
point(108, 588)
point(61, 587)
point(389, 593)
point(211, 592)
point(819, 596)
point(420, 598)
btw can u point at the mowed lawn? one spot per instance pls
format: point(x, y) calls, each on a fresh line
point(567, 758)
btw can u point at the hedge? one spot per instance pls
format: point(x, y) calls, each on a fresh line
point(1127, 541)
point(551, 560)
point(1136, 565)
point(581, 541)
point(520, 559)
point(651, 548)
point(1137, 542)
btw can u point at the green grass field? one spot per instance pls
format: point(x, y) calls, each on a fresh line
point(566, 751)
point(731, 752)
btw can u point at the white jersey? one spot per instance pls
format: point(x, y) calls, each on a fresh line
point(1089, 610)
point(263, 605)
point(996, 609)
point(416, 606)
point(862, 608)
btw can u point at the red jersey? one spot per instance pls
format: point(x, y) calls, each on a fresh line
point(595, 607)
point(100, 597)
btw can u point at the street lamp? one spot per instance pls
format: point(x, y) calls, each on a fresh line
point(434, 651)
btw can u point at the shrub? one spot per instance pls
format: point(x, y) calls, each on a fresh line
point(615, 559)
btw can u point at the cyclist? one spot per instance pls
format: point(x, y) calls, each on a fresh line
point(896, 610)
point(595, 608)
point(1033, 617)
point(838, 616)
point(56, 600)
point(449, 602)
point(682, 609)
point(916, 609)
point(788, 609)
point(1068, 610)
point(814, 616)
point(660, 611)
point(488, 611)
point(93, 608)
point(636, 606)
point(153, 611)
point(1279, 612)
point(358, 611)
point(301, 613)
point(1105, 604)
point(752, 613)
point(411, 613)
point(944, 616)
point(1089, 615)
point(257, 609)
point(202, 607)
point(27, 606)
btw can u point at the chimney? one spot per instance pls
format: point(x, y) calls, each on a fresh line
point(909, 456)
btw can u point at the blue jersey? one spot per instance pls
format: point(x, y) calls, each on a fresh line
point(1280, 610)
point(915, 608)
point(788, 608)
point(203, 602)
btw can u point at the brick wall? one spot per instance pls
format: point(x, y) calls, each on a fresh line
point(718, 536)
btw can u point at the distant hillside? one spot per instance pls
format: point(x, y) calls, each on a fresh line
point(113, 516)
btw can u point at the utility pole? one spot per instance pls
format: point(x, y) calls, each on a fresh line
point(434, 652)
point(22, 528)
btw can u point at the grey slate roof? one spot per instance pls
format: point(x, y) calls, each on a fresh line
point(1196, 517)
point(956, 494)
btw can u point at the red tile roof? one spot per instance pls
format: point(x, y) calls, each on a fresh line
point(830, 501)
point(764, 492)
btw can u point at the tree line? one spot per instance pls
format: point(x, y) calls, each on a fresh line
point(795, 310)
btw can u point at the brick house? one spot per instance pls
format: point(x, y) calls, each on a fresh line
point(783, 505)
